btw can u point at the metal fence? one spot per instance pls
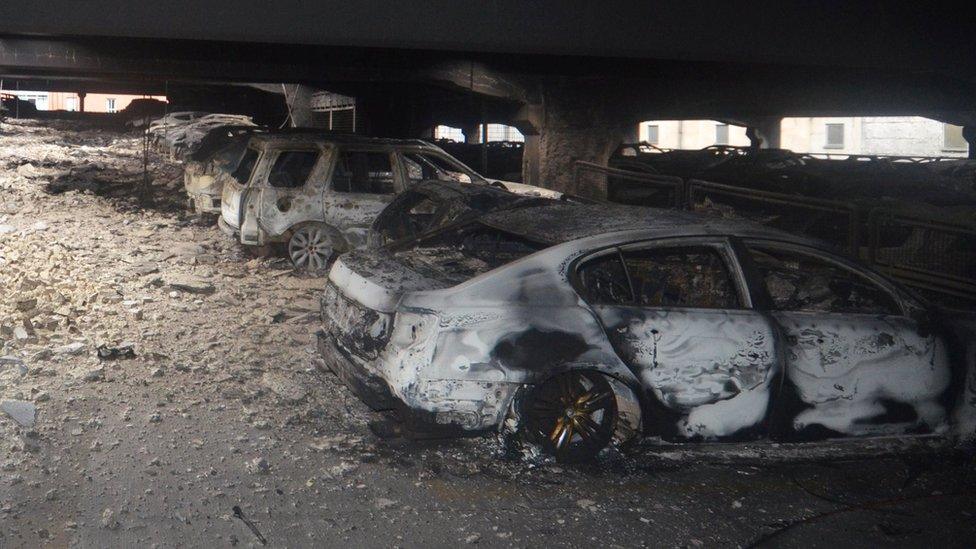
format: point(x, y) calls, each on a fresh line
point(832, 221)
point(630, 187)
point(936, 256)
point(927, 253)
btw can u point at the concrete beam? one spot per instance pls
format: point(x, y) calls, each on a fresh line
point(869, 33)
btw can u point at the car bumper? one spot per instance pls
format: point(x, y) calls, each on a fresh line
point(374, 391)
point(369, 387)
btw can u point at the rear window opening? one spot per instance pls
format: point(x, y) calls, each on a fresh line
point(243, 172)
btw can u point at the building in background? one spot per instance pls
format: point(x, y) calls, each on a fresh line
point(875, 135)
point(93, 102)
point(496, 132)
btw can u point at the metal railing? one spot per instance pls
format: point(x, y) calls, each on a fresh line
point(930, 254)
point(829, 220)
point(924, 252)
point(630, 187)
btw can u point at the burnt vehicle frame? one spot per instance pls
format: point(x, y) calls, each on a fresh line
point(328, 206)
point(755, 374)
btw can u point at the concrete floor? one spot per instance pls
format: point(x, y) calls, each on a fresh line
point(225, 407)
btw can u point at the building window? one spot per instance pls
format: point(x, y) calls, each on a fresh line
point(449, 133)
point(70, 103)
point(952, 139)
point(835, 136)
point(110, 104)
point(501, 132)
point(653, 134)
point(721, 134)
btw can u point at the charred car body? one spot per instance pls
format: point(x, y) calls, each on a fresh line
point(320, 193)
point(206, 170)
point(581, 325)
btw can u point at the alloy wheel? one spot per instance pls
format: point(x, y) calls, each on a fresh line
point(310, 248)
point(573, 415)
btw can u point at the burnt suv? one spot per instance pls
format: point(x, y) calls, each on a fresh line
point(319, 194)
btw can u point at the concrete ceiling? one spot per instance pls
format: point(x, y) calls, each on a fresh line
point(867, 33)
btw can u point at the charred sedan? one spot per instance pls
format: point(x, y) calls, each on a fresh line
point(581, 326)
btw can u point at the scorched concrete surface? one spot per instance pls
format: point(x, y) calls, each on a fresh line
point(222, 430)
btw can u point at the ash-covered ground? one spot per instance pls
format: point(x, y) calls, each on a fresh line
point(159, 388)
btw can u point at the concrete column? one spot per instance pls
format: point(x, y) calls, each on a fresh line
point(571, 125)
point(81, 101)
point(969, 134)
point(472, 134)
point(632, 134)
point(298, 97)
point(765, 133)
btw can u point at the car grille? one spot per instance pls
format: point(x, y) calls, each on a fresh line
point(359, 329)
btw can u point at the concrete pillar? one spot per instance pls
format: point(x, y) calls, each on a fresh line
point(571, 125)
point(969, 134)
point(632, 134)
point(298, 97)
point(81, 101)
point(764, 133)
point(472, 134)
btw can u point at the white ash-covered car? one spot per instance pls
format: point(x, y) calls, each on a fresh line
point(582, 325)
point(184, 140)
point(157, 128)
point(206, 170)
point(319, 193)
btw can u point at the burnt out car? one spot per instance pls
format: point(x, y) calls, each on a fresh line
point(319, 194)
point(430, 205)
point(205, 172)
point(578, 326)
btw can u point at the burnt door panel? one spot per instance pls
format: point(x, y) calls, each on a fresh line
point(677, 318)
point(289, 196)
point(363, 184)
point(713, 369)
point(855, 364)
point(863, 374)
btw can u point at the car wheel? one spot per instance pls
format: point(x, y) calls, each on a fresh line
point(310, 248)
point(572, 416)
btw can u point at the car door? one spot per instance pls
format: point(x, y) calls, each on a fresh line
point(679, 314)
point(856, 362)
point(362, 184)
point(291, 194)
point(230, 203)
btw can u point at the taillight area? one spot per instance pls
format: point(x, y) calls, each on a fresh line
point(359, 329)
point(410, 327)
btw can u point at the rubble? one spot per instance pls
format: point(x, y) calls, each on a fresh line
point(102, 425)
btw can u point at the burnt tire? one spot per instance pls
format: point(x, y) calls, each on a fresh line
point(571, 416)
point(310, 248)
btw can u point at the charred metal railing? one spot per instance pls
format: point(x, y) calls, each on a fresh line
point(934, 255)
point(924, 252)
point(832, 221)
point(630, 187)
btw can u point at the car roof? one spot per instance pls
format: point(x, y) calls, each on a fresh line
point(557, 222)
point(312, 136)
